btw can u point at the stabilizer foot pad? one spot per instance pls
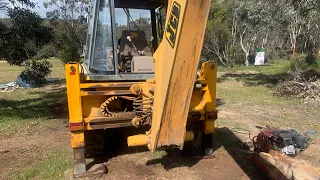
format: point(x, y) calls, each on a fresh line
point(94, 171)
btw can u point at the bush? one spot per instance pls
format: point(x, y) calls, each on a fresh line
point(236, 55)
point(36, 71)
point(311, 59)
point(69, 53)
point(46, 51)
point(275, 54)
point(298, 63)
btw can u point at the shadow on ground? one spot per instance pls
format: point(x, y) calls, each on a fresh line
point(224, 138)
point(255, 79)
point(50, 104)
point(114, 143)
point(219, 102)
point(268, 80)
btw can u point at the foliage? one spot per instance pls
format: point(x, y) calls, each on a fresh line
point(3, 4)
point(142, 24)
point(69, 53)
point(36, 71)
point(69, 23)
point(298, 63)
point(47, 51)
point(304, 62)
point(279, 26)
point(15, 116)
point(219, 37)
point(23, 37)
point(236, 54)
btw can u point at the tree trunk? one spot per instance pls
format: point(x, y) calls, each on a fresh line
point(247, 59)
point(217, 53)
point(294, 49)
point(246, 51)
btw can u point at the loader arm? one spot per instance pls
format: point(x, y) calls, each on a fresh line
point(176, 62)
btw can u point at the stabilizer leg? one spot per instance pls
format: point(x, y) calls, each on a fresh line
point(207, 144)
point(79, 162)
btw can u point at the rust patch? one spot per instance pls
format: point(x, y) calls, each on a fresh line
point(213, 115)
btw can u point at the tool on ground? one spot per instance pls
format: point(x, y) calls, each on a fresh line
point(275, 154)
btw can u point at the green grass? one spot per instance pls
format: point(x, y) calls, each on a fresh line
point(10, 73)
point(158, 154)
point(276, 67)
point(250, 96)
point(26, 107)
point(52, 167)
point(255, 88)
point(316, 65)
point(34, 110)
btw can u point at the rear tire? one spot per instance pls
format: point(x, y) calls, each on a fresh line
point(94, 141)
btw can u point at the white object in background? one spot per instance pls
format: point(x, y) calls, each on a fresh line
point(259, 60)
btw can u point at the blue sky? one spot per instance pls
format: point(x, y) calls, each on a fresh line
point(39, 9)
point(120, 15)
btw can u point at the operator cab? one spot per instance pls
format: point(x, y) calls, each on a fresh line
point(122, 37)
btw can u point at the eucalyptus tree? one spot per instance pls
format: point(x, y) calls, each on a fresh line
point(220, 36)
point(25, 35)
point(68, 18)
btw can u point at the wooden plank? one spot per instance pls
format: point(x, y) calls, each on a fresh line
point(292, 168)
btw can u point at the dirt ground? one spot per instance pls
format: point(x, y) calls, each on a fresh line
point(24, 148)
point(30, 144)
point(229, 161)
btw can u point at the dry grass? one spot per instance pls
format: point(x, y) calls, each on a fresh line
point(256, 104)
point(10, 73)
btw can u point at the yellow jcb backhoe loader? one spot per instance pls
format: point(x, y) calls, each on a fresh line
point(132, 78)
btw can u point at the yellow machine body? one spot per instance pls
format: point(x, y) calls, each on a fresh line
point(178, 94)
point(176, 62)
